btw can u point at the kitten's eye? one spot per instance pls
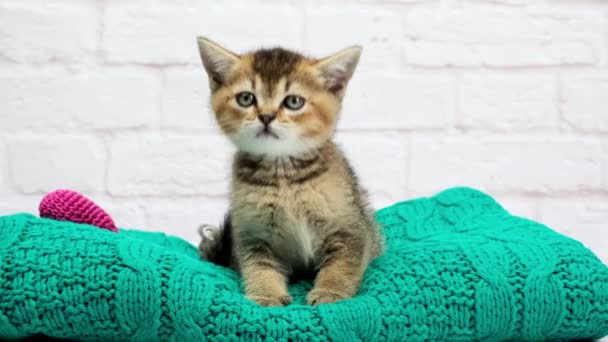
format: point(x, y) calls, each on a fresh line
point(294, 102)
point(245, 99)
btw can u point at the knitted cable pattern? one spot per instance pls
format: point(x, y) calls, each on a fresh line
point(458, 267)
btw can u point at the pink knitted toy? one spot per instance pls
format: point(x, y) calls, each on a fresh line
point(67, 205)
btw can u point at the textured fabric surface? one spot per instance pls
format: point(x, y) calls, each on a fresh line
point(457, 267)
point(67, 205)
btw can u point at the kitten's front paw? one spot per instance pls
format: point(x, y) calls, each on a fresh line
point(324, 296)
point(271, 300)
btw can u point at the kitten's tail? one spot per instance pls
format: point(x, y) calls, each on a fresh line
point(216, 243)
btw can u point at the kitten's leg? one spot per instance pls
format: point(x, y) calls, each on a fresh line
point(264, 276)
point(347, 256)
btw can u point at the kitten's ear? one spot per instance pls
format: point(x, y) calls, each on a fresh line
point(337, 69)
point(217, 61)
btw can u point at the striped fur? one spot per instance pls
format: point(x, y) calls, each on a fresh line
point(296, 206)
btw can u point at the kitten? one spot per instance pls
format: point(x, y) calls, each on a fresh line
point(296, 205)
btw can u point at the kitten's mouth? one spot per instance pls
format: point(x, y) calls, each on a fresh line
point(266, 132)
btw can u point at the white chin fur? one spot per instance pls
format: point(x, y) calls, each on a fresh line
point(288, 142)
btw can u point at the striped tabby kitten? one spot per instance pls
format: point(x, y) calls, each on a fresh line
point(295, 205)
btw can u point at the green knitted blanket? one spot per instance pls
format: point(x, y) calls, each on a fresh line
point(457, 267)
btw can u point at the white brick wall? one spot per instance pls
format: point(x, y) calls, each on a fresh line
point(107, 97)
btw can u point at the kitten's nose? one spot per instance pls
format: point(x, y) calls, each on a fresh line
point(267, 118)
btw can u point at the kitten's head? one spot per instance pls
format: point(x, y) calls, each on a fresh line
point(274, 101)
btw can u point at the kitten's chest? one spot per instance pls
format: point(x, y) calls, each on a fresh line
point(291, 222)
point(292, 233)
point(296, 241)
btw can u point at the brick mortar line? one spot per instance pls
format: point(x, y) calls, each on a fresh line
point(416, 133)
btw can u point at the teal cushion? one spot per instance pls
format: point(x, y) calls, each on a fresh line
point(457, 267)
